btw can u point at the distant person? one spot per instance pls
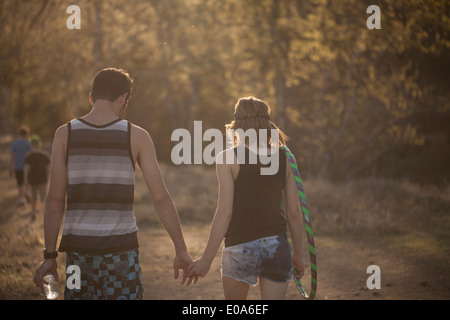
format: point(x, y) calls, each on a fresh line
point(93, 161)
point(19, 150)
point(247, 214)
point(36, 168)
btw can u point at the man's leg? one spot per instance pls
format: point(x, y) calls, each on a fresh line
point(121, 276)
point(20, 186)
point(34, 191)
point(90, 286)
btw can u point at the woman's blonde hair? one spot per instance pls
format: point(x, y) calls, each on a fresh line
point(253, 113)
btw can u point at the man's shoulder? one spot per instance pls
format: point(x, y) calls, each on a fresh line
point(43, 154)
point(135, 126)
point(61, 135)
point(14, 143)
point(62, 129)
point(29, 156)
point(20, 141)
point(32, 156)
point(20, 144)
point(138, 132)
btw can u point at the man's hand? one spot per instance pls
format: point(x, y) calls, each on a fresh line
point(182, 261)
point(46, 266)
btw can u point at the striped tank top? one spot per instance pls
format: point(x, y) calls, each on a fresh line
point(99, 215)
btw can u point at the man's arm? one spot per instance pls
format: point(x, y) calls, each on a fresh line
point(144, 150)
point(54, 205)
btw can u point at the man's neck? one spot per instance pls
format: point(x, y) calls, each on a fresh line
point(102, 112)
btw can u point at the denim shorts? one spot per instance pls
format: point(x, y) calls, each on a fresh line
point(106, 277)
point(268, 257)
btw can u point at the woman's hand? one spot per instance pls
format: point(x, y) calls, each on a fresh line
point(297, 261)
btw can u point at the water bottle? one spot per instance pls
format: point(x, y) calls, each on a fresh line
point(51, 289)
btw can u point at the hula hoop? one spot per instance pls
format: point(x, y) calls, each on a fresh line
point(309, 232)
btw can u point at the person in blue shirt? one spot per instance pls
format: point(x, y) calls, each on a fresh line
point(19, 150)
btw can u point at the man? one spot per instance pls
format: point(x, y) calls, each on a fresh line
point(19, 150)
point(93, 162)
point(36, 167)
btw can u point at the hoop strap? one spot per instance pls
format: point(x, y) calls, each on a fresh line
point(309, 232)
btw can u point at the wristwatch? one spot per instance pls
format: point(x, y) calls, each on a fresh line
point(50, 255)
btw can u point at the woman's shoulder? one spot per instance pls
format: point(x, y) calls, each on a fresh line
point(226, 156)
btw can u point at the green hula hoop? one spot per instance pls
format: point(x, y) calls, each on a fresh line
point(309, 232)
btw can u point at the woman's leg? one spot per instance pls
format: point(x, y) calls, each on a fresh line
point(271, 290)
point(234, 290)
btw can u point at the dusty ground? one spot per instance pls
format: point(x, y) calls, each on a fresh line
point(408, 271)
point(403, 229)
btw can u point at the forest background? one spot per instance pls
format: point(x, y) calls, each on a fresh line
point(355, 102)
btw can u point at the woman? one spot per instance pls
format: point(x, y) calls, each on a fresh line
point(247, 213)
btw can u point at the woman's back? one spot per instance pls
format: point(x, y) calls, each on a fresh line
point(256, 201)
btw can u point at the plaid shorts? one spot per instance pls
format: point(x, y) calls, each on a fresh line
point(106, 277)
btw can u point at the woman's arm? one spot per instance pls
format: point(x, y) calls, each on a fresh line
point(220, 222)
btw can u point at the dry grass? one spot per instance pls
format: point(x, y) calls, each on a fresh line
point(193, 189)
point(410, 217)
point(377, 207)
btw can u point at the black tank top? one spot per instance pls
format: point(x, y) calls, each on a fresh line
point(256, 202)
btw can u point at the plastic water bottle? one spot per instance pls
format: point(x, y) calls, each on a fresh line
point(51, 289)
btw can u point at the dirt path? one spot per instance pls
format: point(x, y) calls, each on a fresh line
point(413, 265)
point(405, 273)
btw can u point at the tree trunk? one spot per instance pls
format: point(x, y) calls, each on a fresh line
point(348, 114)
point(5, 107)
point(98, 36)
point(280, 56)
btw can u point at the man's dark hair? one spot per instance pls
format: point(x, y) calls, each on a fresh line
point(110, 83)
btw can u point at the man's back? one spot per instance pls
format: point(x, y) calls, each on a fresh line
point(100, 189)
point(20, 148)
point(38, 160)
point(93, 161)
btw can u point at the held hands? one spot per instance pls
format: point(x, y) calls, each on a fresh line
point(191, 269)
point(182, 261)
point(198, 268)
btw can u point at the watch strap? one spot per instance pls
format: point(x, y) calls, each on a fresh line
point(50, 255)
